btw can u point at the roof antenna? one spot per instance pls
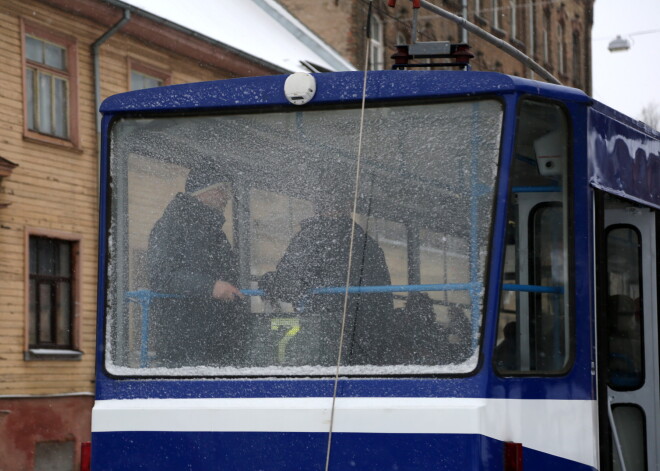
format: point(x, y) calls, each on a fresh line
point(459, 54)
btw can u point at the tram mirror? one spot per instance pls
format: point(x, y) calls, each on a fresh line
point(550, 151)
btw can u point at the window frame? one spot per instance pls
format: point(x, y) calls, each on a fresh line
point(69, 43)
point(546, 38)
point(577, 59)
point(640, 275)
point(134, 65)
point(72, 352)
point(569, 292)
point(561, 49)
point(534, 265)
point(109, 367)
point(495, 16)
point(377, 44)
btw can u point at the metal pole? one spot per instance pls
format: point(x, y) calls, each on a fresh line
point(464, 35)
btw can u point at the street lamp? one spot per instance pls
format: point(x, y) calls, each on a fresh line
point(619, 44)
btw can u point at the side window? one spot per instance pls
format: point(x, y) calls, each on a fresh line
point(52, 295)
point(145, 76)
point(535, 327)
point(624, 309)
point(50, 85)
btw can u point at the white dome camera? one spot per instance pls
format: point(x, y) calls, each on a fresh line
point(300, 88)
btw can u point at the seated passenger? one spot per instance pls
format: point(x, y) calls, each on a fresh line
point(420, 339)
point(317, 257)
point(190, 258)
point(506, 352)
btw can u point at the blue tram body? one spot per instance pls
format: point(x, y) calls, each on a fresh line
point(525, 212)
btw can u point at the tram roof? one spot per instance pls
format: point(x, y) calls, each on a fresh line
point(333, 88)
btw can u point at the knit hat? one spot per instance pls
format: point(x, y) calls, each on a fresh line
point(201, 179)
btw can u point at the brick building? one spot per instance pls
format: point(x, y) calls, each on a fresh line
point(59, 59)
point(555, 33)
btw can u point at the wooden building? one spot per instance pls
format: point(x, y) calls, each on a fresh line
point(59, 59)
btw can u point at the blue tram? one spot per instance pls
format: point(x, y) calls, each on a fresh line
point(491, 303)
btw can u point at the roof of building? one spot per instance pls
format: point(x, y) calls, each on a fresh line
point(259, 28)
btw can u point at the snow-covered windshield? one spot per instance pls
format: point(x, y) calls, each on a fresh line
point(233, 250)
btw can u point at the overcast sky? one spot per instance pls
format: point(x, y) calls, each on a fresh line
point(627, 81)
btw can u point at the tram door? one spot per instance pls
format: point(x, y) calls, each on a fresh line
point(542, 330)
point(629, 342)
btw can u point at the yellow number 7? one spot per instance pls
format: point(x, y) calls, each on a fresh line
point(294, 327)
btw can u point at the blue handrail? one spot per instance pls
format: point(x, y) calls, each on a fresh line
point(144, 297)
point(534, 288)
point(398, 288)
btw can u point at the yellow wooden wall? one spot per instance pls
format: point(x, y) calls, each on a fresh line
point(55, 188)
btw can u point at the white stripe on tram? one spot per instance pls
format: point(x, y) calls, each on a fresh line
point(564, 428)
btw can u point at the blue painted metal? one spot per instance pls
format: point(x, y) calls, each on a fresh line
point(258, 451)
point(625, 156)
point(335, 88)
point(536, 189)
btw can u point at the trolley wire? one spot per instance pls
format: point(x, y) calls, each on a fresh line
point(350, 249)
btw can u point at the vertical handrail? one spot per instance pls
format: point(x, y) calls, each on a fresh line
point(610, 414)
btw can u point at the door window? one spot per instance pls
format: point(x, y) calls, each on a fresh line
point(624, 309)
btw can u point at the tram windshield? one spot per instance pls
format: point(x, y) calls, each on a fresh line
point(234, 249)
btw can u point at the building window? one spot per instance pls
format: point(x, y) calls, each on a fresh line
point(497, 11)
point(520, 22)
point(546, 36)
point(54, 455)
point(560, 48)
point(376, 48)
point(532, 30)
point(53, 275)
point(50, 92)
point(514, 19)
point(577, 62)
point(146, 76)
point(140, 81)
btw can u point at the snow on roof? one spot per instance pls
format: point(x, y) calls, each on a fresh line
point(260, 28)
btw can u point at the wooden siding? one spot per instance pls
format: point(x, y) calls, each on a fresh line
point(54, 188)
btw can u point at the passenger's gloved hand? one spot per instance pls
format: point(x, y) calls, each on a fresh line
point(267, 285)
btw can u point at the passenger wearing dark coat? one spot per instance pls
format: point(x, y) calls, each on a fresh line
point(190, 259)
point(317, 257)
